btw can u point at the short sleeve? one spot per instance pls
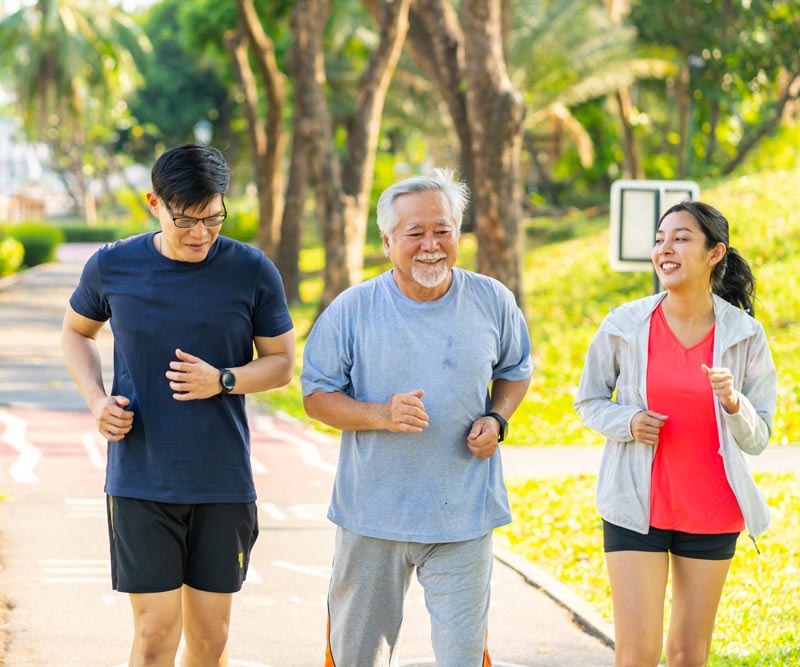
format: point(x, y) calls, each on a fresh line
point(271, 315)
point(88, 298)
point(328, 355)
point(514, 362)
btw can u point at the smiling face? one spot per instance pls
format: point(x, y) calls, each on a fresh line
point(186, 245)
point(680, 255)
point(423, 247)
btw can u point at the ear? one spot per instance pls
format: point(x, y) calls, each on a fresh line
point(386, 244)
point(152, 202)
point(717, 253)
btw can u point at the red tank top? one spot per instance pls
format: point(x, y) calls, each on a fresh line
point(689, 490)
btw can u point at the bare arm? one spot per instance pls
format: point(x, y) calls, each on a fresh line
point(506, 397)
point(79, 344)
point(192, 378)
point(402, 413)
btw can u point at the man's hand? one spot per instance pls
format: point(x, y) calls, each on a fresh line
point(646, 425)
point(483, 437)
point(405, 413)
point(191, 378)
point(721, 380)
point(113, 421)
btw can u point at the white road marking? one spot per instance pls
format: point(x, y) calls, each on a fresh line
point(86, 508)
point(321, 571)
point(258, 467)
point(92, 443)
point(29, 455)
point(72, 571)
point(273, 511)
point(310, 454)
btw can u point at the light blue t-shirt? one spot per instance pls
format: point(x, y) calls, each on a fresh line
point(373, 342)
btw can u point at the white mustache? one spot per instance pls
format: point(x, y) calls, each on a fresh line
point(431, 257)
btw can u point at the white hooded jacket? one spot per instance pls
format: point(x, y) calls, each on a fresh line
point(617, 361)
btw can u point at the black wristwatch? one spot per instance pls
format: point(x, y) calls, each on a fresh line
point(503, 425)
point(228, 380)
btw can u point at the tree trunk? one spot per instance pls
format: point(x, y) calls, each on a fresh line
point(236, 45)
point(684, 92)
point(362, 135)
point(269, 168)
point(308, 27)
point(496, 111)
point(343, 201)
point(633, 167)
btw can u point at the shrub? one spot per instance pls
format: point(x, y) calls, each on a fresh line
point(11, 253)
point(39, 241)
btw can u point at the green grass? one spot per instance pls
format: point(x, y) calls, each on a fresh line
point(758, 623)
point(569, 288)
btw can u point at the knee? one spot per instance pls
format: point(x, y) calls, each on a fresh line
point(154, 642)
point(208, 643)
point(687, 656)
point(639, 658)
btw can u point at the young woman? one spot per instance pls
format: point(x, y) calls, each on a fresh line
point(695, 387)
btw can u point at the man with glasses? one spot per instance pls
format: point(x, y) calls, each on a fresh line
point(186, 307)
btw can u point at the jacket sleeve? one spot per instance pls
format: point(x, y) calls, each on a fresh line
point(593, 401)
point(751, 426)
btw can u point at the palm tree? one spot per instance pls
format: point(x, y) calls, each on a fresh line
point(563, 53)
point(70, 64)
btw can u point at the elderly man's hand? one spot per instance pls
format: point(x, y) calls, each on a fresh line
point(483, 437)
point(405, 413)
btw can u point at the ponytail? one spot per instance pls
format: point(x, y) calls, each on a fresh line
point(733, 280)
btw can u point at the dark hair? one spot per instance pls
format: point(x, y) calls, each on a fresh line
point(732, 278)
point(190, 175)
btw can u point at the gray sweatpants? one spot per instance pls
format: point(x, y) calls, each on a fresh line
point(368, 586)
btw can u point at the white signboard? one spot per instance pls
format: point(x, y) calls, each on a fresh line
point(636, 207)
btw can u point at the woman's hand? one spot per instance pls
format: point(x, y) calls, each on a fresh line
point(646, 425)
point(721, 380)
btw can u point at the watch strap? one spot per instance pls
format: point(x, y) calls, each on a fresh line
point(503, 424)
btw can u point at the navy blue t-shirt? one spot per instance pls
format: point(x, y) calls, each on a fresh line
point(181, 451)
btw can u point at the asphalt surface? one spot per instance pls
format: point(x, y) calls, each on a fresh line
point(53, 547)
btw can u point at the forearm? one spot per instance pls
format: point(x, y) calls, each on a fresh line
point(507, 395)
point(345, 413)
point(85, 366)
point(264, 373)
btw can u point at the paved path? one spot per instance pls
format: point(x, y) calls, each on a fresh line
point(53, 543)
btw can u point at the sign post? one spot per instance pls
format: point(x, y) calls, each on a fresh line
point(636, 207)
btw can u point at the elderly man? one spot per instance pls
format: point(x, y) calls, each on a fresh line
point(403, 365)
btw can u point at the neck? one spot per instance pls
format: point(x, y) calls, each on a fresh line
point(417, 292)
point(688, 307)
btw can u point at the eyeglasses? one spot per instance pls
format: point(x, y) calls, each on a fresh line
point(185, 222)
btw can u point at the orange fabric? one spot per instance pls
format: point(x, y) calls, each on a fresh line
point(328, 657)
point(690, 491)
point(487, 661)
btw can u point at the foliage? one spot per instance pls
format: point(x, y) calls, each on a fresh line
point(758, 623)
point(180, 87)
point(70, 64)
point(39, 241)
point(11, 254)
point(739, 61)
point(100, 234)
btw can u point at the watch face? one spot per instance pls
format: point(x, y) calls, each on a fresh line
point(228, 380)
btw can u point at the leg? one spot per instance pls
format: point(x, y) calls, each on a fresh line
point(696, 591)
point(369, 581)
point(638, 582)
point(157, 628)
point(206, 617)
point(456, 578)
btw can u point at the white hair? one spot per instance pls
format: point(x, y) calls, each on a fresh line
point(443, 180)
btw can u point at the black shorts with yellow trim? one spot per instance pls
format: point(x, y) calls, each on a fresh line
point(158, 547)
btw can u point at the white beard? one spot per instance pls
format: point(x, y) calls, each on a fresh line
point(430, 275)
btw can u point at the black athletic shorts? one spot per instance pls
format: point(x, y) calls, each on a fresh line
point(158, 547)
point(704, 546)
